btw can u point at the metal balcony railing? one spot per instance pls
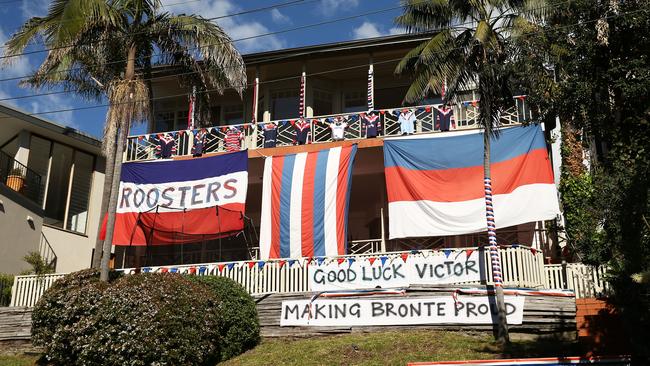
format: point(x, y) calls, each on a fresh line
point(144, 147)
point(20, 178)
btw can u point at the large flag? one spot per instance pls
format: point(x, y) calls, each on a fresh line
point(305, 200)
point(181, 201)
point(435, 184)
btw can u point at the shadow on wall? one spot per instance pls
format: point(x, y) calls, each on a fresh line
point(600, 328)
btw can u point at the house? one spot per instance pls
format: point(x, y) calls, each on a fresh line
point(339, 80)
point(51, 181)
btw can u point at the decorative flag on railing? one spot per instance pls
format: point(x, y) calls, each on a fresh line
point(301, 108)
point(371, 89)
point(305, 200)
point(191, 110)
point(181, 201)
point(435, 184)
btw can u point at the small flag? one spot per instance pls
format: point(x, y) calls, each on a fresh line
point(350, 261)
point(251, 264)
point(230, 266)
point(202, 269)
point(173, 270)
point(447, 252)
point(221, 267)
point(404, 256)
point(340, 260)
point(383, 259)
point(146, 270)
point(261, 264)
point(320, 260)
point(291, 262)
point(192, 270)
point(533, 250)
point(164, 270)
point(469, 252)
point(372, 260)
point(282, 263)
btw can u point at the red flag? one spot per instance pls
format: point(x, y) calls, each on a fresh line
point(221, 266)
point(282, 263)
point(340, 260)
point(533, 250)
point(469, 252)
point(372, 260)
point(192, 270)
point(404, 256)
point(164, 270)
point(251, 264)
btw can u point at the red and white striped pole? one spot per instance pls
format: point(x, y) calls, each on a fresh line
point(371, 88)
point(301, 110)
point(492, 234)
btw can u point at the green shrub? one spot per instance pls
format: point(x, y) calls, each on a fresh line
point(57, 315)
point(148, 319)
point(240, 328)
point(6, 282)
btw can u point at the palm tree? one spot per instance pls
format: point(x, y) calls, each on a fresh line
point(470, 47)
point(107, 48)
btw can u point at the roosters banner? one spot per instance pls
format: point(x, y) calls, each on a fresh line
point(180, 201)
point(435, 184)
point(433, 270)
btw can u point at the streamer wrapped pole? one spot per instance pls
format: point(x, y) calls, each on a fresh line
point(371, 88)
point(301, 108)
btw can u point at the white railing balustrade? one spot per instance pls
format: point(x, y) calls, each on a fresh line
point(522, 267)
point(584, 280)
point(143, 147)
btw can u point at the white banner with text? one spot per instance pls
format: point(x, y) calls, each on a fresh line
point(362, 274)
point(399, 311)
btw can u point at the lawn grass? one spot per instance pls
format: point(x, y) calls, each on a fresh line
point(380, 348)
point(393, 348)
point(18, 360)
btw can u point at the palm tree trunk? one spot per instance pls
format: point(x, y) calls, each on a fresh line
point(106, 196)
point(117, 170)
point(501, 327)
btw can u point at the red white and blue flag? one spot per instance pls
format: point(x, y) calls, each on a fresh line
point(435, 184)
point(305, 199)
point(181, 201)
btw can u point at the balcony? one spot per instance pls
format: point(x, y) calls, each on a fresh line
point(143, 147)
point(20, 178)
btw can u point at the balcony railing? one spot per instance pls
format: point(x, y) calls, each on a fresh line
point(143, 147)
point(20, 178)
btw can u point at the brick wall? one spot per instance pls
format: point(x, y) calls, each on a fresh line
point(600, 328)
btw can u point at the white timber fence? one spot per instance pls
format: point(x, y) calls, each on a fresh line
point(522, 267)
point(584, 280)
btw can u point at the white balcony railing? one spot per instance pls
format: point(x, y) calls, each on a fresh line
point(143, 147)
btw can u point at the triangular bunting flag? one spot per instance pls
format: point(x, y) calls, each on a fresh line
point(164, 270)
point(221, 267)
point(202, 269)
point(291, 262)
point(533, 250)
point(340, 260)
point(350, 261)
point(372, 260)
point(251, 264)
point(383, 259)
point(146, 270)
point(415, 251)
point(192, 270)
point(173, 270)
point(281, 263)
point(469, 252)
point(447, 252)
point(230, 266)
point(320, 260)
point(404, 256)
point(261, 264)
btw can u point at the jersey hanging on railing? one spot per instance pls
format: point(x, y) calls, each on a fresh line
point(181, 201)
point(435, 184)
point(305, 203)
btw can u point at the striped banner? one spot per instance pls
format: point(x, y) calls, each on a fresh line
point(305, 199)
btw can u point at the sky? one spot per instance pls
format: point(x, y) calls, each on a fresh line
point(14, 13)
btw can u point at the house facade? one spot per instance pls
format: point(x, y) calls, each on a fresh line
point(51, 181)
point(338, 82)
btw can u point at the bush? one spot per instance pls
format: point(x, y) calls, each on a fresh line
point(148, 319)
point(6, 282)
point(56, 316)
point(240, 328)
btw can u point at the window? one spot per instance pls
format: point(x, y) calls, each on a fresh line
point(82, 178)
point(355, 101)
point(58, 185)
point(66, 178)
point(285, 104)
point(164, 121)
point(233, 114)
point(322, 103)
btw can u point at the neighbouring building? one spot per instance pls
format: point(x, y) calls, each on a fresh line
point(338, 80)
point(51, 181)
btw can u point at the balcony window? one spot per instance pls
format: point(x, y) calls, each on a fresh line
point(66, 179)
point(322, 103)
point(233, 114)
point(355, 101)
point(285, 104)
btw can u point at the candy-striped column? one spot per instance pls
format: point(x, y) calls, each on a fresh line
point(301, 109)
point(492, 235)
point(371, 89)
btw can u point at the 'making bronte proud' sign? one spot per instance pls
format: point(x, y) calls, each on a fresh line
point(433, 270)
point(397, 311)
